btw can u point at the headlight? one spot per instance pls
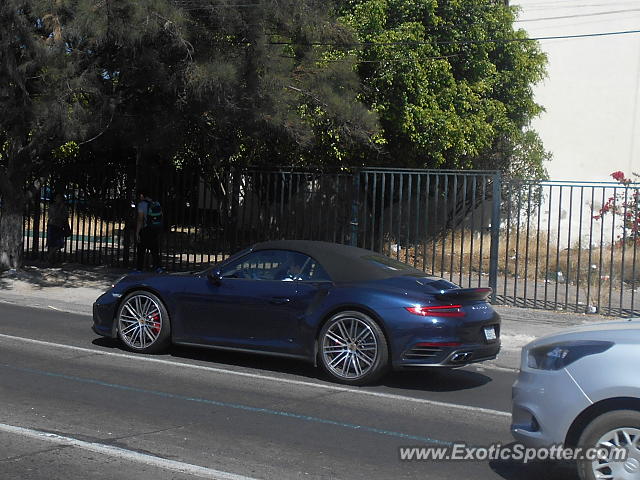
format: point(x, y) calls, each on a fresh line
point(559, 355)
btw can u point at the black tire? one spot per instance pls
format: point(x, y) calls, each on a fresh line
point(596, 430)
point(146, 331)
point(348, 362)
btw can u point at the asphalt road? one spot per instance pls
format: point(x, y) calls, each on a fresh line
point(74, 405)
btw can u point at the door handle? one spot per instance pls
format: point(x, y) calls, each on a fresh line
point(279, 300)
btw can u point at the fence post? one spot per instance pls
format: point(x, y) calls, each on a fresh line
point(236, 173)
point(495, 234)
point(130, 218)
point(354, 209)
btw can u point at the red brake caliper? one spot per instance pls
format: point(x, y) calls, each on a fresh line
point(156, 323)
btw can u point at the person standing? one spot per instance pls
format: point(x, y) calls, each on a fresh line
point(57, 227)
point(148, 229)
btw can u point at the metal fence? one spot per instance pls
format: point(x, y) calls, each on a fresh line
point(570, 245)
point(537, 244)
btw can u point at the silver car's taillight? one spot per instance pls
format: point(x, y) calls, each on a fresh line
point(558, 355)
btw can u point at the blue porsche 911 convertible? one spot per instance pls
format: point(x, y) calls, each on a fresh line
point(355, 312)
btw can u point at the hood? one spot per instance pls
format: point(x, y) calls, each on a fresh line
point(627, 331)
point(146, 276)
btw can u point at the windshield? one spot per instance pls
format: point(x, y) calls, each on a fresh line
point(230, 258)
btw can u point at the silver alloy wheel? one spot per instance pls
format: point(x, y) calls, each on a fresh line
point(140, 321)
point(350, 348)
point(609, 468)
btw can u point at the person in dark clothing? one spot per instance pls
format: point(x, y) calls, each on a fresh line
point(57, 227)
point(148, 231)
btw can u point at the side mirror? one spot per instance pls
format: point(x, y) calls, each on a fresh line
point(215, 277)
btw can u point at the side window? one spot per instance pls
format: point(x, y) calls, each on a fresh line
point(313, 272)
point(264, 265)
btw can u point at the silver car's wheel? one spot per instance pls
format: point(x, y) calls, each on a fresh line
point(607, 433)
point(352, 348)
point(608, 466)
point(143, 322)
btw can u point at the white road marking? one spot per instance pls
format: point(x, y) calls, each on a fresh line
point(54, 308)
point(482, 367)
point(335, 388)
point(123, 453)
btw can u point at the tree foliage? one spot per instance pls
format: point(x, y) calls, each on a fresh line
point(450, 85)
point(275, 82)
point(95, 87)
point(146, 81)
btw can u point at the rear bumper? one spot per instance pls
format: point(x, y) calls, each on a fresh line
point(458, 356)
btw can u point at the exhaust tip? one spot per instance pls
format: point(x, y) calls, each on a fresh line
point(461, 357)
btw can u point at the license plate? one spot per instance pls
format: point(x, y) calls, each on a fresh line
point(490, 333)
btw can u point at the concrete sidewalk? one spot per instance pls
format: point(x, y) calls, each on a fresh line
point(73, 288)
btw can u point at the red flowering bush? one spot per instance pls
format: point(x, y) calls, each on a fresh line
point(625, 204)
point(619, 177)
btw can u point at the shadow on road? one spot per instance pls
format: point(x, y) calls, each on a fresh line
point(432, 380)
point(517, 470)
point(436, 380)
point(534, 470)
point(66, 276)
point(219, 358)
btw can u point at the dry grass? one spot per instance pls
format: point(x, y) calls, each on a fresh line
point(86, 226)
point(600, 274)
point(95, 226)
point(536, 256)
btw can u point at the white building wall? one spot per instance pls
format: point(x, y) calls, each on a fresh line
point(591, 95)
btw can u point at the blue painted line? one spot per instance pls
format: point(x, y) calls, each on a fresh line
point(236, 406)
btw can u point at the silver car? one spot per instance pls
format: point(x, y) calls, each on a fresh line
point(581, 388)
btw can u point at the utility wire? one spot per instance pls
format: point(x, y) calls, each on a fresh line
point(458, 42)
point(579, 15)
point(572, 4)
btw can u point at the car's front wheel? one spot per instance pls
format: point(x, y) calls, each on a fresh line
point(619, 429)
point(143, 323)
point(352, 348)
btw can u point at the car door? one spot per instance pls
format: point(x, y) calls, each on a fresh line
point(312, 287)
point(254, 305)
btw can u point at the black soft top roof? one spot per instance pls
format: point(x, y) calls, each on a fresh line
point(343, 263)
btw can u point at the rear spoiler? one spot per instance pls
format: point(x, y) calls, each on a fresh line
point(460, 294)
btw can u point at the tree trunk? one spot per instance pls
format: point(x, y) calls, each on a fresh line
point(36, 211)
point(11, 238)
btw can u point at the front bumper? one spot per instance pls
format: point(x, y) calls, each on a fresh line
point(545, 404)
point(104, 310)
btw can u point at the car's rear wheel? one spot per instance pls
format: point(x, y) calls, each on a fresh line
point(617, 429)
point(352, 348)
point(143, 323)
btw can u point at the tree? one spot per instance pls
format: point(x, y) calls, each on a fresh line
point(35, 101)
point(451, 82)
point(271, 89)
point(58, 66)
point(153, 81)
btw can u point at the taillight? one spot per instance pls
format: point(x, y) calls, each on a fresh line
point(437, 311)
